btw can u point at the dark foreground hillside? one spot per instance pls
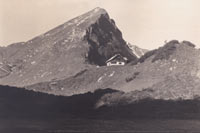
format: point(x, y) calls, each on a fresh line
point(28, 111)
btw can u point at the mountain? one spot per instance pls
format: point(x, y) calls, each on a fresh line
point(169, 72)
point(136, 50)
point(84, 42)
point(70, 60)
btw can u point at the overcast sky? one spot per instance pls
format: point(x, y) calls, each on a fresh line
point(146, 23)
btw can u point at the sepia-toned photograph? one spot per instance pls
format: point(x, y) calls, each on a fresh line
point(99, 66)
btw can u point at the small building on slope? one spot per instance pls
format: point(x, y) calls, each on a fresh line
point(116, 60)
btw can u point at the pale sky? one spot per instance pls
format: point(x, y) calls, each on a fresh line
point(146, 23)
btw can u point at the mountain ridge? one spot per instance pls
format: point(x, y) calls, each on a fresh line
point(136, 50)
point(166, 69)
point(70, 59)
point(83, 42)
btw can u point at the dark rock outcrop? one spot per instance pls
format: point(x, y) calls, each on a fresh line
point(106, 40)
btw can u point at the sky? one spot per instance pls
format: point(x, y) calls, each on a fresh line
point(145, 23)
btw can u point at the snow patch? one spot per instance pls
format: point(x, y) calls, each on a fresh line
point(198, 74)
point(73, 32)
point(112, 74)
point(134, 51)
point(43, 74)
point(99, 80)
point(142, 53)
point(72, 35)
point(4, 69)
point(33, 62)
point(82, 21)
point(174, 60)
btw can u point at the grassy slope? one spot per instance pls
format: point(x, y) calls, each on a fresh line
point(172, 72)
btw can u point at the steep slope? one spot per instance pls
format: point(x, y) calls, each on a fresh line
point(9, 52)
point(136, 50)
point(83, 42)
point(66, 60)
point(174, 61)
point(170, 72)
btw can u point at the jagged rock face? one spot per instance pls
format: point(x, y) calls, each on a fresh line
point(139, 52)
point(106, 40)
point(80, 43)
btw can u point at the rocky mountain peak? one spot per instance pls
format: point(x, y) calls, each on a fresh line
point(83, 42)
point(136, 50)
point(70, 59)
point(99, 10)
point(106, 40)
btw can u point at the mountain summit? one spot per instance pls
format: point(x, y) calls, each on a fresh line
point(83, 42)
point(71, 59)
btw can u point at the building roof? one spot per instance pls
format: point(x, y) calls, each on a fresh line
point(115, 56)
